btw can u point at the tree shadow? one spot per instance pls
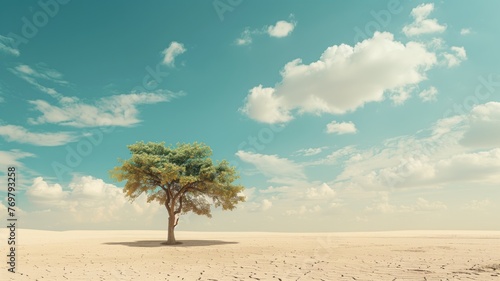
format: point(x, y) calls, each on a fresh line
point(162, 243)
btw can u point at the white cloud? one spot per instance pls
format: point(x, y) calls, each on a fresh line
point(475, 205)
point(12, 157)
point(422, 24)
point(482, 131)
point(262, 105)
point(341, 128)
point(302, 210)
point(455, 58)
point(117, 110)
point(272, 189)
point(401, 95)
point(87, 201)
point(436, 43)
point(245, 39)
point(321, 192)
point(248, 193)
point(278, 169)
point(172, 52)
point(40, 72)
point(266, 205)
point(342, 80)
point(310, 151)
point(383, 205)
point(6, 46)
point(337, 156)
point(428, 94)
point(281, 29)
point(444, 155)
point(46, 194)
point(465, 31)
point(426, 205)
point(22, 135)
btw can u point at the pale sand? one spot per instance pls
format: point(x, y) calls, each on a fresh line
point(139, 255)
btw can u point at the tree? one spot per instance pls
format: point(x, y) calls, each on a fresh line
point(183, 178)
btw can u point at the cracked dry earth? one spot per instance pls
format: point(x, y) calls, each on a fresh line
point(140, 255)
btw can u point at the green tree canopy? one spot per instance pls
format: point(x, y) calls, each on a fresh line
point(182, 178)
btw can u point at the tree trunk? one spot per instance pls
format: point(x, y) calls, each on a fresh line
point(171, 227)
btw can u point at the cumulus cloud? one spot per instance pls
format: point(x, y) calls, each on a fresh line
point(262, 105)
point(457, 56)
point(324, 191)
point(20, 134)
point(171, 52)
point(281, 29)
point(422, 24)
point(342, 80)
point(117, 110)
point(266, 205)
point(341, 128)
point(428, 94)
point(87, 201)
point(6, 46)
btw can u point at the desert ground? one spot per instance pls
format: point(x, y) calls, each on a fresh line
point(140, 255)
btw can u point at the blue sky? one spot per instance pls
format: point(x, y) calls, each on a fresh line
point(341, 116)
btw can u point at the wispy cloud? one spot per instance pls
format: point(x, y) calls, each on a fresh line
point(12, 157)
point(383, 205)
point(245, 37)
point(281, 29)
point(465, 31)
point(6, 46)
point(460, 149)
point(117, 110)
point(428, 94)
point(280, 170)
point(169, 54)
point(40, 72)
point(310, 151)
point(457, 56)
point(20, 134)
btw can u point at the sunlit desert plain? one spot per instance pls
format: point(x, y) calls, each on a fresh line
point(140, 255)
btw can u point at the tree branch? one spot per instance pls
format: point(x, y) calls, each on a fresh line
point(176, 221)
point(187, 187)
point(167, 202)
point(179, 209)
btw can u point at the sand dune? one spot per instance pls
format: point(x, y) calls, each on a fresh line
point(140, 255)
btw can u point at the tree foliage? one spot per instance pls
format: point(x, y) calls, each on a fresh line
point(182, 178)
